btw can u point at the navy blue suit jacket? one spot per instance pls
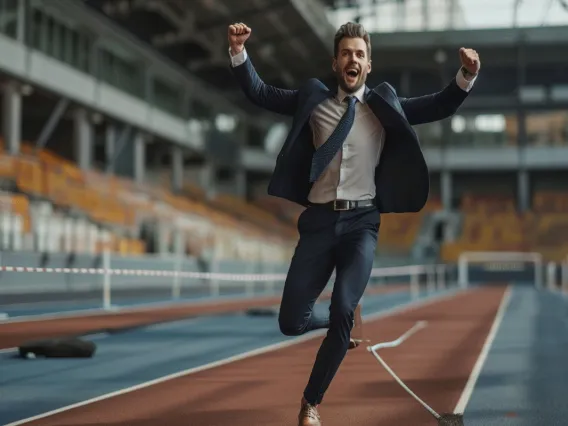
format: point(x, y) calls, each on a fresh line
point(401, 177)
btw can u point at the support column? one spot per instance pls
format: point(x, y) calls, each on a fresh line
point(177, 168)
point(139, 157)
point(240, 171)
point(110, 145)
point(446, 189)
point(12, 117)
point(52, 122)
point(207, 178)
point(21, 20)
point(240, 182)
point(83, 138)
point(523, 190)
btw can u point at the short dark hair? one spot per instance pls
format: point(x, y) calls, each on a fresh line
point(351, 30)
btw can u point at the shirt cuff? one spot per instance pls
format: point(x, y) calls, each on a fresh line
point(463, 83)
point(239, 58)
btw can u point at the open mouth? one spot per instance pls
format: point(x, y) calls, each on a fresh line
point(352, 74)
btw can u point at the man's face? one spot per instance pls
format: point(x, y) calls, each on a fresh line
point(352, 64)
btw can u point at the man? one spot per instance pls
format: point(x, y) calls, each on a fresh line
point(351, 154)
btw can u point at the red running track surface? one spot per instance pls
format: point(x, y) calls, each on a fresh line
point(265, 389)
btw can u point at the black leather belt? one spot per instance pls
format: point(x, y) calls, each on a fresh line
point(342, 205)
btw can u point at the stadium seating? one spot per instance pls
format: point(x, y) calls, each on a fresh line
point(398, 231)
point(48, 203)
point(85, 211)
point(494, 224)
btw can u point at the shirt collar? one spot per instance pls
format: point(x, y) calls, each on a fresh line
point(359, 94)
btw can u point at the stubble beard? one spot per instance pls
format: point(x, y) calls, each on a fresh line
point(344, 85)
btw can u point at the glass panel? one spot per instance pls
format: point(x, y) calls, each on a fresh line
point(36, 29)
point(167, 97)
point(50, 36)
point(547, 128)
point(484, 130)
point(433, 15)
point(9, 17)
point(121, 74)
point(83, 53)
point(430, 134)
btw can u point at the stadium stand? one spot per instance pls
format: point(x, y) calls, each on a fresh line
point(495, 224)
point(83, 211)
point(66, 189)
point(398, 232)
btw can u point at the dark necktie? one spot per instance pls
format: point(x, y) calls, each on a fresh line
point(325, 153)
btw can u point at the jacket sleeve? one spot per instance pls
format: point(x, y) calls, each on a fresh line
point(437, 106)
point(280, 101)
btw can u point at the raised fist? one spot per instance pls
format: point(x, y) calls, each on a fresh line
point(470, 60)
point(238, 34)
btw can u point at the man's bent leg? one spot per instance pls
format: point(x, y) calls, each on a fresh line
point(311, 267)
point(355, 254)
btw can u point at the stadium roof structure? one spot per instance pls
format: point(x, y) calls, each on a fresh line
point(292, 40)
point(515, 61)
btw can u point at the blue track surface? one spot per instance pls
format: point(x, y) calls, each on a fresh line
point(525, 378)
point(31, 387)
point(42, 308)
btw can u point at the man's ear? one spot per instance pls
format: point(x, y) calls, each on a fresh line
point(369, 67)
point(334, 64)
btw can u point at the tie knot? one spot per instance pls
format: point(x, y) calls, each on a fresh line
point(351, 100)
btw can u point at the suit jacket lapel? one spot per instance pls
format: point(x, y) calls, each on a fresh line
point(385, 104)
point(317, 95)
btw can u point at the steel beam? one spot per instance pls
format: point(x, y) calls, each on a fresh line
point(313, 13)
point(121, 142)
point(164, 67)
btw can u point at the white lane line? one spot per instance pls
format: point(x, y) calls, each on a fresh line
point(393, 344)
point(263, 350)
point(474, 376)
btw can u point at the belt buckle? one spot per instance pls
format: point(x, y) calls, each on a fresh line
point(344, 202)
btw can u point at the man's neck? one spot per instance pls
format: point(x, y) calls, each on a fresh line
point(359, 93)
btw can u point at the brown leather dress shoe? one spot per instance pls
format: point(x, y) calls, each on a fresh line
point(309, 415)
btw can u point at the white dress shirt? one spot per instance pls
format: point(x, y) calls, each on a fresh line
point(350, 175)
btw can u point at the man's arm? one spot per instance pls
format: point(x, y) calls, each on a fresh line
point(444, 104)
point(271, 98)
point(280, 101)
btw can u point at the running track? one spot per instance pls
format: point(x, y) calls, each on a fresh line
point(499, 353)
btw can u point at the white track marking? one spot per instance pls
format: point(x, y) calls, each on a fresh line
point(373, 349)
point(266, 349)
point(394, 343)
point(470, 385)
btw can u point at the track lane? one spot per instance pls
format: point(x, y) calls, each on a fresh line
point(126, 359)
point(265, 389)
point(15, 333)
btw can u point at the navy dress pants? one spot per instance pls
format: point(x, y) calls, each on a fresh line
point(346, 241)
